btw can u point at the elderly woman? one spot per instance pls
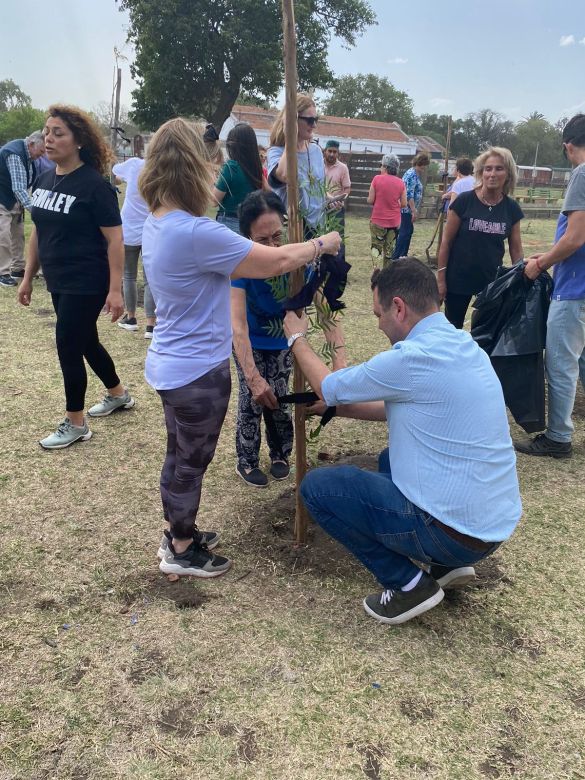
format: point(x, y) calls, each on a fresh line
point(479, 222)
point(189, 260)
point(387, 195)
point(414, 192)
point(77, 240)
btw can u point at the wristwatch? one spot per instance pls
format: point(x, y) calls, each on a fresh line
point(294, 337)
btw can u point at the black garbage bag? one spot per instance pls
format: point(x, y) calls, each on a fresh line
point(509, 323)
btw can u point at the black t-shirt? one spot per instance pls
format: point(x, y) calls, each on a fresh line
point(478, 249)
point(68, 213)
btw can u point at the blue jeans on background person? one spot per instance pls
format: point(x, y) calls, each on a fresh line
point(565, 363)
point(404, 235)
point(366, 512)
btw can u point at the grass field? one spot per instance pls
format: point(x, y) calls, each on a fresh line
point(273, 672)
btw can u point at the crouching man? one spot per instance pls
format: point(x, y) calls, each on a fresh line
point(446, 494)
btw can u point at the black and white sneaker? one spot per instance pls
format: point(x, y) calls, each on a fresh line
point(450, 578)
point(19, 274)
point(149, 332)
point(209, 538)
point(7, 281)
point(128, 323)
point(398, 606)
point(196, 561)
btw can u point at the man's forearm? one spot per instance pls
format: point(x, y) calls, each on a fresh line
point(24, 198)
point(565, 247)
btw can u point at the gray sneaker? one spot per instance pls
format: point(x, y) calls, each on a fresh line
point(111, 403)
point(209, 538)
point(452, 577)
point(196, 561)
point(398, 606)
point(66, 434)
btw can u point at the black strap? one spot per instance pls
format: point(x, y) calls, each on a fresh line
point(308, 398)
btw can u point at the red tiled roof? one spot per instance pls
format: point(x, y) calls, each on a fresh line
point(340, 127)
point(425, 143)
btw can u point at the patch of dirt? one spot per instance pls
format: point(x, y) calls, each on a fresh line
point(48, 604)
point(490, 574)
point(578, 698)
point(416, 709)
point(79, 672)
point(371, 755)
point(272, 529)
point(505, 759)
point(152, 585)
point(179, 720)
point(149, 664)
point(507, 637)
point(247, 746)
point(44, 312)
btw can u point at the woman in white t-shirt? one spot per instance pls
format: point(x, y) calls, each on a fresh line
point(134, 214)
point(189, 260)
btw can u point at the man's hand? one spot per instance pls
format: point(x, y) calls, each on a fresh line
point(413, 215)
point(318, 408)
point(295, 324)
point(25, 293)
point(533, 269)
point(442, 285)
point(263, 395)
point(114, 305)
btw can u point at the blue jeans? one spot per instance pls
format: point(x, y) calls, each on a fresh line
point(565, 363)
point(367, 513)
point(404, 235)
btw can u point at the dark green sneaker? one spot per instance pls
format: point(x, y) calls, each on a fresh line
point(209, 538)
point(398, 606)
point(196, 561)
point(542, 445)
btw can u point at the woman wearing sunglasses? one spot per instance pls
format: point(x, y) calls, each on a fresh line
point(311, 168)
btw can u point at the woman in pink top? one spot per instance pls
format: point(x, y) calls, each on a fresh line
point(387, 195)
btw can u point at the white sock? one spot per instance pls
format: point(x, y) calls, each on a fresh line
point(413, 583)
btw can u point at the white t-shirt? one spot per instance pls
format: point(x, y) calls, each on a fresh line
point(134, 210)
point(188, 261)
point(465, 184)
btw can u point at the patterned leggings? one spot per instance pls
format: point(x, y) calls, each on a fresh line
point(275, 367)
point(382, 241)
point(194, 415)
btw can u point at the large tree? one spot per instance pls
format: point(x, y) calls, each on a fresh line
point(194, 56)
point(367, 96)
point(537, 139)
point(11, 96)
point(20, 122)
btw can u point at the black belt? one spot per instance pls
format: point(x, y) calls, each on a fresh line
point(477, 545)
point(308, 398)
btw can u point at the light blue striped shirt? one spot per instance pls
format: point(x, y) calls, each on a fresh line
point(450, 448)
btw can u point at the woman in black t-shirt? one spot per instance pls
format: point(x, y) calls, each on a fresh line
point(77, 240)
point(478, 224)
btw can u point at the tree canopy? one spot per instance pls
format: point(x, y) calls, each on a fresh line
point(367, 96)
point(11, 96)
point(193, 57)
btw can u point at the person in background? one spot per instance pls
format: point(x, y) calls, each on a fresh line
point(263, 154)
point(17, 173)
point(134, 214)
point(77, 240)
point(213, 146)
point(387, 195)
point(478, 224)
point(263, 359)
point(464, 180)
point(189, 260)
point(239, 176)
point(338, 180)
point(414, 193)
point(565, 330)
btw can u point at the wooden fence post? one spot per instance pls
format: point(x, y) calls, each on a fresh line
point(295, 233)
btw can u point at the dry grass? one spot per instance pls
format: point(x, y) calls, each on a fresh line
point(274, 671)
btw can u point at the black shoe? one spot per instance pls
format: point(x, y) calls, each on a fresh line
point(542, 445)
point(128, 323)
point(279, 469)
point(398, 606)
point(255, 477)
point(7, 281)
point(17, 274)
point(449, 578)
point(196, 561)
point(209, 538)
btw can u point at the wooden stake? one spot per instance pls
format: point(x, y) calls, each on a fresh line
point(295, 233)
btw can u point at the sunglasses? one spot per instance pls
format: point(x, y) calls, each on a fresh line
point(210, 134)
point(310, 120)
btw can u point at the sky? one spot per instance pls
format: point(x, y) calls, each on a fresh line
point(513, 56)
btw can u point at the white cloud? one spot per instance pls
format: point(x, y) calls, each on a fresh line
point(582, 41)
point(397, 61)
point(567, 40)
point(439, 102)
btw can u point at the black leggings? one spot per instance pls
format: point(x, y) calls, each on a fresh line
point(456, 308)
point(77, 338)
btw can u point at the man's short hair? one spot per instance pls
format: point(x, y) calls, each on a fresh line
point(36, 138)
point(574, 131)
point(464, 165)
point(409, 279)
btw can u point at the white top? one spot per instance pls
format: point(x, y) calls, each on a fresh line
point(188, 261)
point(134, 210)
